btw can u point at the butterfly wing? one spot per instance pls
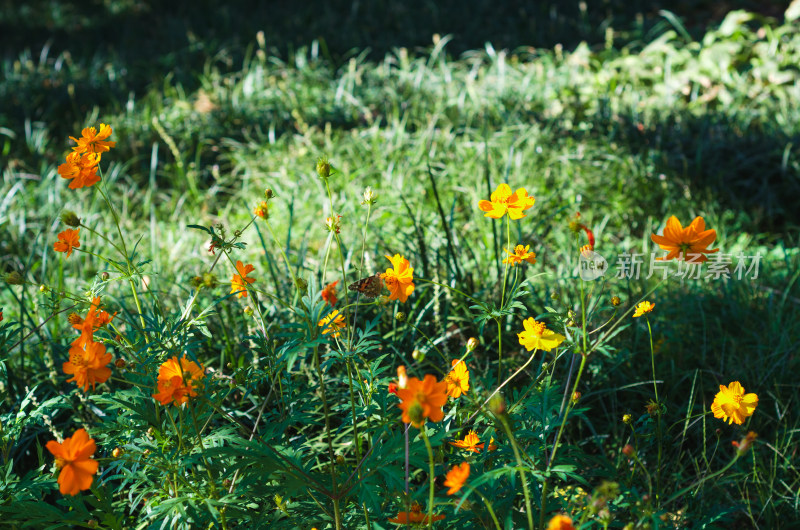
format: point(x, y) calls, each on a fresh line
point(370, 286)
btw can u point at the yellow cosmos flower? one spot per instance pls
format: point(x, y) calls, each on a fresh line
point(456, 477)
point(458, 379)
point(519, 255)
point(332, 323)
point(536, 335)
point(503, 201)
point(686, 243)
point(732, 404)
point(642, 308)
point(399, 279)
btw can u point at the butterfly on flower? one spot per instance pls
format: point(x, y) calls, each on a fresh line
point(371, 286)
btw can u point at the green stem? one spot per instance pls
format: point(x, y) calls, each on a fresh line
point(658, 413)
point(335, 488)
point(702, 480)
point(502, 302)
point(488, 507)
point(520, 465)
point(431, 475)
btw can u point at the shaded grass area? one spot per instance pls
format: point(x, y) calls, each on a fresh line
point(626, 135)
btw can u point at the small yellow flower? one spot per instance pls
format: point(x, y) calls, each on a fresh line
point(519, 255)
point(732, 404)
point(456, 477)
point(643, 307)
point(332, 323)
point(504, 202)
point(458, 379)
point(536, 335)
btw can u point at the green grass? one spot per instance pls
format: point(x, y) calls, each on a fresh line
point(627, 134)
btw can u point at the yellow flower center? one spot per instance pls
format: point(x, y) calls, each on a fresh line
point(737, 398)
point(60, 462)
point(538, 328)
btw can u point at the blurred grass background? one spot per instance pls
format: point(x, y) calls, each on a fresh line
point(617, 109)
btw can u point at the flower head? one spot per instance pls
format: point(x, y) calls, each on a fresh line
point(642, 308)
point(399, 279)
point(177, 379)
point(240, 281)
point(67, 241)
point(503, 201)
point(732, 404)
point(691, 242)
point(422, 399)
point(332, 323)
point(536, 335)
point(329, 293)
point(92, 141)
point(333, 223)
point(560, 522)
point(81, 169)
point(743, 446)
point(74, 459)
point(415, 516)
point(88, 365)
point(458, 379)
point(456, 477)
point(519, 255)
point(95, 319)
point(369, 196)
point(262, 210)
point(470, 443)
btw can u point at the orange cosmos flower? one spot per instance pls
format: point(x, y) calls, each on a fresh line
point(503, 201)
point(92, 141)
point(399, 279)
point(240, 281)
point(329, 293)
point(332, 323)
point(560, 522)
point(415, 516)
point(74, 459)
point(456, 477)
point(744, 445)
point(67, 241)
point(95, 319)
point(686, 243)
point(81, 169)
point(177, 379)
point(88, 365)
point(536, 335)
point(422, 399)
point(470, 443)
point(519, 255)
point(732, 404)
point(642, 308)
point(262, 210)
point(458, 379)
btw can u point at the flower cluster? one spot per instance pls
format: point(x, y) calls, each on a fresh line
point(81, 164)
point(88, 359)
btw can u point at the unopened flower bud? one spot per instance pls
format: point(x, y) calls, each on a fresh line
point(418, 355)
point(340, 460)
point(92, 523)
point(70, 219)
point(248, 310)
point(105, 276)
point(744, 445)
point(576, 396)
point(43, 288)
point(269, 194)
point(117, 452)
point(14, 278)
point(615, 301)
point(554, 296)
point(416, 413)
point(150, 431)
point(472, 343)
point(323, 168)
point(400, 316)
point(628, 450)
point(497, 404)
point(120, 363)
point(627, 419)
